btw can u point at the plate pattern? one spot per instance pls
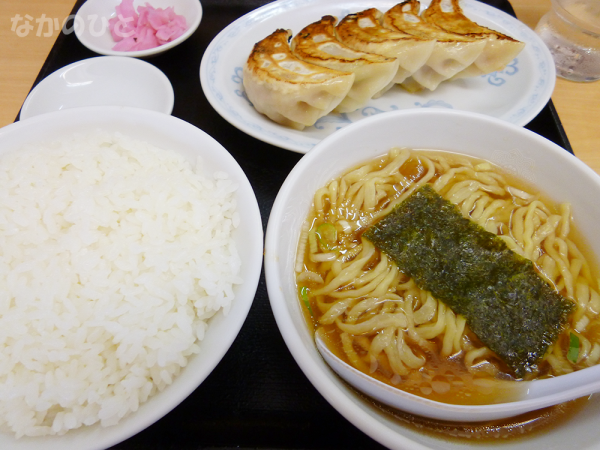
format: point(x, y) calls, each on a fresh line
point(516, 94)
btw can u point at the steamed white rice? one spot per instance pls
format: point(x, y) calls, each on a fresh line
point(113, 256)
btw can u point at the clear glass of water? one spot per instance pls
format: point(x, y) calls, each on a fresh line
point(571, 30)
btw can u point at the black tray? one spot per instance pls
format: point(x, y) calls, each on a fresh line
point(257, 397)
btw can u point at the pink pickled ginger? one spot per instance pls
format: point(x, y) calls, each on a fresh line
point(146, 28)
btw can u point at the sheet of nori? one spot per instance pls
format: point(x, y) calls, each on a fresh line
point(510, 308)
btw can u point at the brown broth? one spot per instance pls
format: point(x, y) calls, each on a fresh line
point(439, 377)
point(443, 380)
point(524, 426)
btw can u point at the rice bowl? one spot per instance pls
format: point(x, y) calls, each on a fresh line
point(169, 133)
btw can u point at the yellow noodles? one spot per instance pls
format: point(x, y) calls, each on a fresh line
point(386, 324)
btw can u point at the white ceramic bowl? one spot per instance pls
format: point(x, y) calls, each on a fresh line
point(91, 24)
point(171, 133)
point(553, 170)
point(100, 81)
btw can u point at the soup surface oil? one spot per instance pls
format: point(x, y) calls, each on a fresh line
point(446, 379)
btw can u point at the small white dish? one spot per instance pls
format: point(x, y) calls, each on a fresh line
point(92, 30)
point(516, 94)
point(166, 132)
point(102, 81)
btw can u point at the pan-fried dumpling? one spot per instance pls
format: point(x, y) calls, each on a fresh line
point(499, 50)
point(451, 54)
point(363, 31)
point(318, 45)
point(289, 91)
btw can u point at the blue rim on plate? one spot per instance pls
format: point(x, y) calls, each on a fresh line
point(516, 94)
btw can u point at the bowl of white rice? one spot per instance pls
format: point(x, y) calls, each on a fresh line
point(130, 252)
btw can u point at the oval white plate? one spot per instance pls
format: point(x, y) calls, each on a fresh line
point(91, 24)
point(516, 94)
point(102, 81)
point(167, 132)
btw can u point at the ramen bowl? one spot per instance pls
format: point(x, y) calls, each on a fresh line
point(178, 136)
point(552, 170)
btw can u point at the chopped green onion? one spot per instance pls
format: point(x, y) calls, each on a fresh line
point(573, 353)
point(303, 291)
point(327, 235)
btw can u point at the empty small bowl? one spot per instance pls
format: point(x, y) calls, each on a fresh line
point(92, 28)
point(102, 81)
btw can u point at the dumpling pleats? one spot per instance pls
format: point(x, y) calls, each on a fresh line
point(451, 54)
point(289, 91)
point(363, 31)
point(317, 44)
point(499, 50)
